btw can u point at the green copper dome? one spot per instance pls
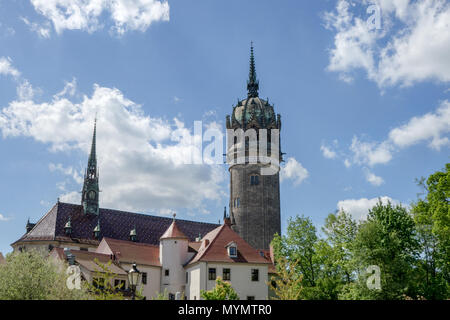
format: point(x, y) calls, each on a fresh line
point(254, 112)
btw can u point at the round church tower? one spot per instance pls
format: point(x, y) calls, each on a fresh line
point(254, 190)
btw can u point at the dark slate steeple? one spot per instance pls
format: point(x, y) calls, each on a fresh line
point(252, 83)
point(90, 193)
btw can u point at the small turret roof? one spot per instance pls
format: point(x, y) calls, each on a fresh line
point(173, 232)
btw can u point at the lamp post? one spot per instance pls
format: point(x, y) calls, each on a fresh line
point(133, 279)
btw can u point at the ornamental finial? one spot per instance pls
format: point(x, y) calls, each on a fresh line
point(252, 83)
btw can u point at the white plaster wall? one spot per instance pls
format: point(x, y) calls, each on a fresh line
point(173, 254)
point(195, 283)
point(151, 289)
point(240, 279)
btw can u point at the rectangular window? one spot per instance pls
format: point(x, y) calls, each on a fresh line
point(232, 252)
point(119, 284)
point(144, 277)
point(226, 274)
point(83, 249)
point(250, 297)
point(166, 272)
point(98, 283)
point(254, 180)
point(255, 275)
point(212, 274)
point(238, 202)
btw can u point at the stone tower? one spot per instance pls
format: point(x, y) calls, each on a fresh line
point(90, 192)
point(254, 194)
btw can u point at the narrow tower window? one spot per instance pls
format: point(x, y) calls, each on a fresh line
point(254, 180)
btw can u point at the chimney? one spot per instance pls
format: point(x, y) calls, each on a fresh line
point(69, 256)
point(29, 226)
point(271, 254)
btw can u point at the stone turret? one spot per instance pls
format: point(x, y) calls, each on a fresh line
point(254, 196)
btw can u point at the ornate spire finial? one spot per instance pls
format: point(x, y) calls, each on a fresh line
point(174, 215)
point(90, 192)
point(93, 155)
point(252, 83)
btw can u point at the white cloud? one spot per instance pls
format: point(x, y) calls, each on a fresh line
point(42, 31)
point(69, 171)
point(293, 170)
point(431, 126)
point(3, 218)
point(359, 208)
point(6, 67)
point(327, 152)
point(370, 153)
point(373, 179)
point(141, 166)
point(411, 46)
point(25, 90)
point(85, 15)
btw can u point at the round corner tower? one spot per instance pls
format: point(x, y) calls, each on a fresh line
point(252, 132)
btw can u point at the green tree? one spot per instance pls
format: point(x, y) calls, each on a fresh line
point(432, 218)
point(222, 291)
point(287, 283)
point(300, 247)
point(102, 285)
point(31, 276)
point(387, 240)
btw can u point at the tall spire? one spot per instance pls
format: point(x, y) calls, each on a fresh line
point(90, 193)
point(252, 83)
point(93, 155)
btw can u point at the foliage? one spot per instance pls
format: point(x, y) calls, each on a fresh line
point(287, 283)
point(411, 247)
point(102, 285)
point(432, 217)
point(222, 291)
point(30, 275)
point(162, 295)
point(387, 240)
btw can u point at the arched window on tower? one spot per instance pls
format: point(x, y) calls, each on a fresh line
point(254, 180)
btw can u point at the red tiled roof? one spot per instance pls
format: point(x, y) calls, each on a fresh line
point(86, 259)
point(173, 232)
point(114, 224)
point(214, 248)
point(128, 251)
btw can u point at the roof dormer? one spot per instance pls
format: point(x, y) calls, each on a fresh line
point(232, 249)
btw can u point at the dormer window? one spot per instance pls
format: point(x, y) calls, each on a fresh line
point(232, 250)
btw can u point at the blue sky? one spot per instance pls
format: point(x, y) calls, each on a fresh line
point(364, 111)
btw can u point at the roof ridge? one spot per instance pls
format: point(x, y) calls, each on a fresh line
point(37, 223)
point(132, 243)
point(212, 240)
point(142, 214)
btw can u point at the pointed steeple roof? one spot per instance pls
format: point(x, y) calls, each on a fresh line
point(252, 83)
point(174, 232)
point(93, 154)
point(90, 192)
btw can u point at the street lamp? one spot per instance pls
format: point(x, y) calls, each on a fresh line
point(133, 279)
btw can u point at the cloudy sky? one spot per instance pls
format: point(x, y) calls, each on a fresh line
point(362, 87)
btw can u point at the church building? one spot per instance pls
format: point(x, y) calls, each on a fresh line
point(176, 256)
